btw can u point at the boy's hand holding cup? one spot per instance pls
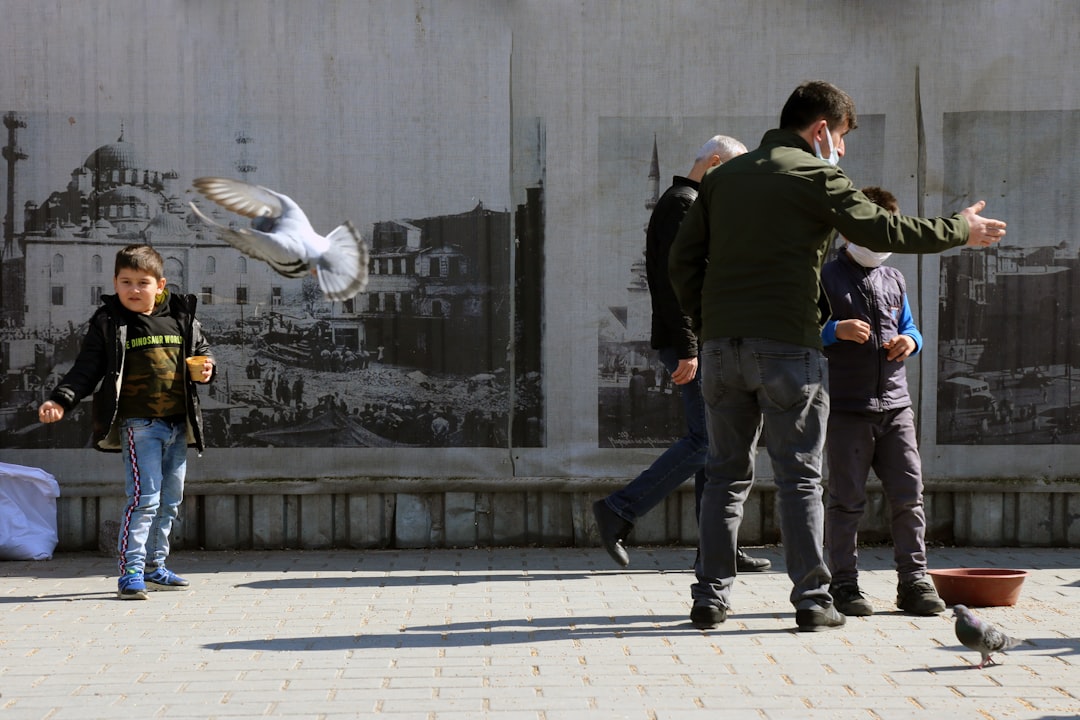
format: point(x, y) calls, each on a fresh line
point(200, 367)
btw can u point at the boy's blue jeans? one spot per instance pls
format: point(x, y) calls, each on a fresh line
point(748, 384)
point(684, 458)
point(155, 461)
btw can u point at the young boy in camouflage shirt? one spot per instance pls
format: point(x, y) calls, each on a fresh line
point(147, 350)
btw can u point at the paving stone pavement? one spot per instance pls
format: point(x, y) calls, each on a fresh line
point(511, 633)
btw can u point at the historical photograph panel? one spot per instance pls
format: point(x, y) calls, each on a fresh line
point(421, 358)
point(1008, 330)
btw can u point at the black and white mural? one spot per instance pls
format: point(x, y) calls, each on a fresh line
point(1009, 329)
point(432, 354)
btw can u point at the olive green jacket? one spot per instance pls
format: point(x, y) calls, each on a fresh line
point(747, 259)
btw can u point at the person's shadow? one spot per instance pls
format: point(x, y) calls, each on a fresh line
point(478, 634)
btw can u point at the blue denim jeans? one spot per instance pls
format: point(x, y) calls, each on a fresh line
point(155, 461)
point(748, 384)
point(686, 457)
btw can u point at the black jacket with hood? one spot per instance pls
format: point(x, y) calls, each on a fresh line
point(101, 360)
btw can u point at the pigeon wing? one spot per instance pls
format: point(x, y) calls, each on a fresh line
point(969, 635)
point(260, 246)
point(242, 198)
point(997, 641)
point(342, 268)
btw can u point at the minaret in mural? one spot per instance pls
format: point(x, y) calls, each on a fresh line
point(12, 154)
point(13, 217)
point(638, 304)
point(654, 180)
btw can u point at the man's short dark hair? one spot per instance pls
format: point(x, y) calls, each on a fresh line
point(814, 100)
point(142, 258)
point(882, 197)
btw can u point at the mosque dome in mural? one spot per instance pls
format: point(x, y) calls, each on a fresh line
point(100, 231)
point(124, 202)
point(166, 225)
point(119, 155)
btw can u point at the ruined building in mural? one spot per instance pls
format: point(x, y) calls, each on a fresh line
point(420, 359)
point(1009, 338)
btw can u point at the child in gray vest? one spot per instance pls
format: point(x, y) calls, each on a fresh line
point(871, 423)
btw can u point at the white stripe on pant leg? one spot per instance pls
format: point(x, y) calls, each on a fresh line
point(125, 528)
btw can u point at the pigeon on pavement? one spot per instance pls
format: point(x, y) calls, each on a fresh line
point(281, 236)
point(980, 635)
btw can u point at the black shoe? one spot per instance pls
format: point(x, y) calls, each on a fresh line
point(818, 618)
point(745, 564)
point(706, 617)
point(613, 530)
point(849, 599)
point(919, 597)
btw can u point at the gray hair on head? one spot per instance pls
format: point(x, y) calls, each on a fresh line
point(722, 145)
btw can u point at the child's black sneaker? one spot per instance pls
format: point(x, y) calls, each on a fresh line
point(850, 600)
point(919, 597)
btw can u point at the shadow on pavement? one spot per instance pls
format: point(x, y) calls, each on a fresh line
point(1069, 646)
point(372, 580)
point(462, 560)
point(496, 632)
point(501, 632)
point(60, 597)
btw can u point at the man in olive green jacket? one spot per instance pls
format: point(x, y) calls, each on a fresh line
point(746, 267)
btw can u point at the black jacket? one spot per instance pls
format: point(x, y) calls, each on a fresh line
point(670, 327)
point(101, 359)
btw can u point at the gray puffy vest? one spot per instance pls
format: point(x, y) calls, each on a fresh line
point(860, 375)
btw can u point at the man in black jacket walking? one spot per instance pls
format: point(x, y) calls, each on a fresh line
point(675, 342)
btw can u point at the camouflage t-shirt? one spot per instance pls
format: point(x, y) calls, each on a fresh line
point(153, 384)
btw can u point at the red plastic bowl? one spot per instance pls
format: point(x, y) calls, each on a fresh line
point(978, 587)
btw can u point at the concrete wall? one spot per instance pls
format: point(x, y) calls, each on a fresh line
point(382, 110)
point(408, 513)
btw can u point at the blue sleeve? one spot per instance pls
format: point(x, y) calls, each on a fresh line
point(906, 326)
point(828, 331)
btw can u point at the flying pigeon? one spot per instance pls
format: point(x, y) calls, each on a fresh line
point(981, 636)
point(282, 236)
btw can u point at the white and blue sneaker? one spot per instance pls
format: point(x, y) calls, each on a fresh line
point(161, 578)
point(131, 586)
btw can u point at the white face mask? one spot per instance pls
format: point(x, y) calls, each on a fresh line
point(834, 155)
point(866, 258)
